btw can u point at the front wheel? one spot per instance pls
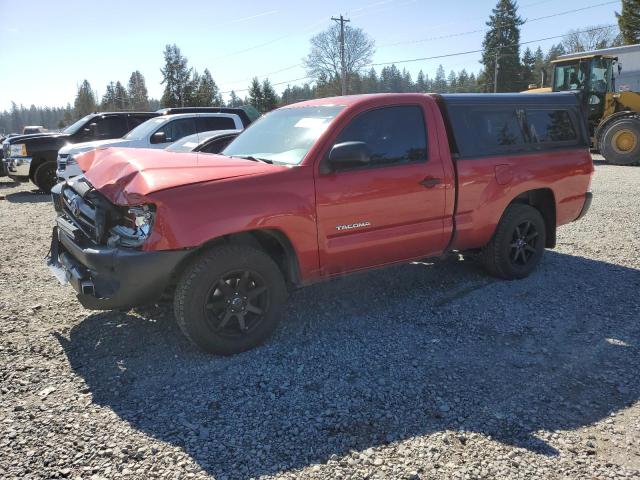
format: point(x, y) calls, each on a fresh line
point(229, 299)
point(517, 244)
point(45, 176)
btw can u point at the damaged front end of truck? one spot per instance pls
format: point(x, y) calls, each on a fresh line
point(96, 247)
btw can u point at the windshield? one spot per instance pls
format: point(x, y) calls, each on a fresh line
point(145, 129)
point(570, 77)
point(74, 127)
point(283, 136)
point(601, 75)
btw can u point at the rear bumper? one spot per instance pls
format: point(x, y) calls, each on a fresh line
point(108, 278)
point(588, 198)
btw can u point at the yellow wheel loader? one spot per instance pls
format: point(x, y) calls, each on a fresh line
point(613, 97)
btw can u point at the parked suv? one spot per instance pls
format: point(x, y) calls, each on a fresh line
point(159, 132)
point(33, 157)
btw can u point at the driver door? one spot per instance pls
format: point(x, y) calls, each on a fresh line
point(389, 210)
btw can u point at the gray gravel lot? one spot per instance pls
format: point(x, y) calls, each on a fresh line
point(418, 371)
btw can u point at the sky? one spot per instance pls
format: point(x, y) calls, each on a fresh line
point(48, 48)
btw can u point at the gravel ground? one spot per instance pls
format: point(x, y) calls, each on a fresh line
point(419, 371)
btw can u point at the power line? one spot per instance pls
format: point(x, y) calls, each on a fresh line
point(435, 57)
point(310, 28)
point(482, 30)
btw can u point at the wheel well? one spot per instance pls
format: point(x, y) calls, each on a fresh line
point(543, 200)
point(273, 242)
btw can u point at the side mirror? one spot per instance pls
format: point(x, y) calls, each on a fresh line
point(348, 155)
point(159, 137)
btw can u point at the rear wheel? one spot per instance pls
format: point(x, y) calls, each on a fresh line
point(45, 176)
point(620, 142)
point(229, 300)
point(517, 245)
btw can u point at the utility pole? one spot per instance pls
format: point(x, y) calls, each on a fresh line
point(343, 73)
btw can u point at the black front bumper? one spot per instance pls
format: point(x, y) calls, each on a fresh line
point(107, 278)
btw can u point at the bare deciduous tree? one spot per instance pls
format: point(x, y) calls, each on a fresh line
point(590, 38)
point(323, 60)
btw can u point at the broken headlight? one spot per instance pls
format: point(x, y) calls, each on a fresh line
point(134, 227)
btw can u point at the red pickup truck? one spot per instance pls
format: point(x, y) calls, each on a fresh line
point(316, 190)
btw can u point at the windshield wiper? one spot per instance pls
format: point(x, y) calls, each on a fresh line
point(253, 159)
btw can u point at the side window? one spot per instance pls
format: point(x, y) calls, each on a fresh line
point(394, 135)
point(550, 126)
point(487, 130)
point(176, 129)
point(207, 124)
point(217, 145)
point(134, 121)
point(110, 127)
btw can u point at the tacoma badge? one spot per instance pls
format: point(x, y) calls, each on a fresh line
point(353, 225)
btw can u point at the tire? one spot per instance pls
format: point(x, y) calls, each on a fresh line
point(226, 320)
point(45, 176)
point(517, 245)
point(620, 142)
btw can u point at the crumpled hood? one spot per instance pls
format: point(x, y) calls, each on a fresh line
point(126, 175)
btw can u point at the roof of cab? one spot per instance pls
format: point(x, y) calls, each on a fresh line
point(563, 98)
point(348, 100)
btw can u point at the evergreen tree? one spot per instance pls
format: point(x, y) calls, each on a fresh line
point(234, 100)
point(501, 44)
point(108, 103)
point(207, 93)
point(269, 97)
point(122, 97)
point(473, 83)
point(421, 83)
point(629, 21)
point(554, 52)
point(85, 101)
point(68, 115)
point(255, 95)
point(440, 82)
point(370, 81)
point(176, 77)
point(528, 69)
point(463, 81)
point(17, 123)
point(538, 68)
point(452, 82)
point(407, 82)
point(137, 90)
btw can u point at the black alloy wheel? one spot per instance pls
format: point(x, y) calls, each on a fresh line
point(236, 304)
point(523, 245)
point(517, 245)
point(229, 299)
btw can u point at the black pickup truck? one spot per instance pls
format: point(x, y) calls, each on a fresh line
point(33, 157)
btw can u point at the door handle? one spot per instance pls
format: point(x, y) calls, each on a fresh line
point(430, 182)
